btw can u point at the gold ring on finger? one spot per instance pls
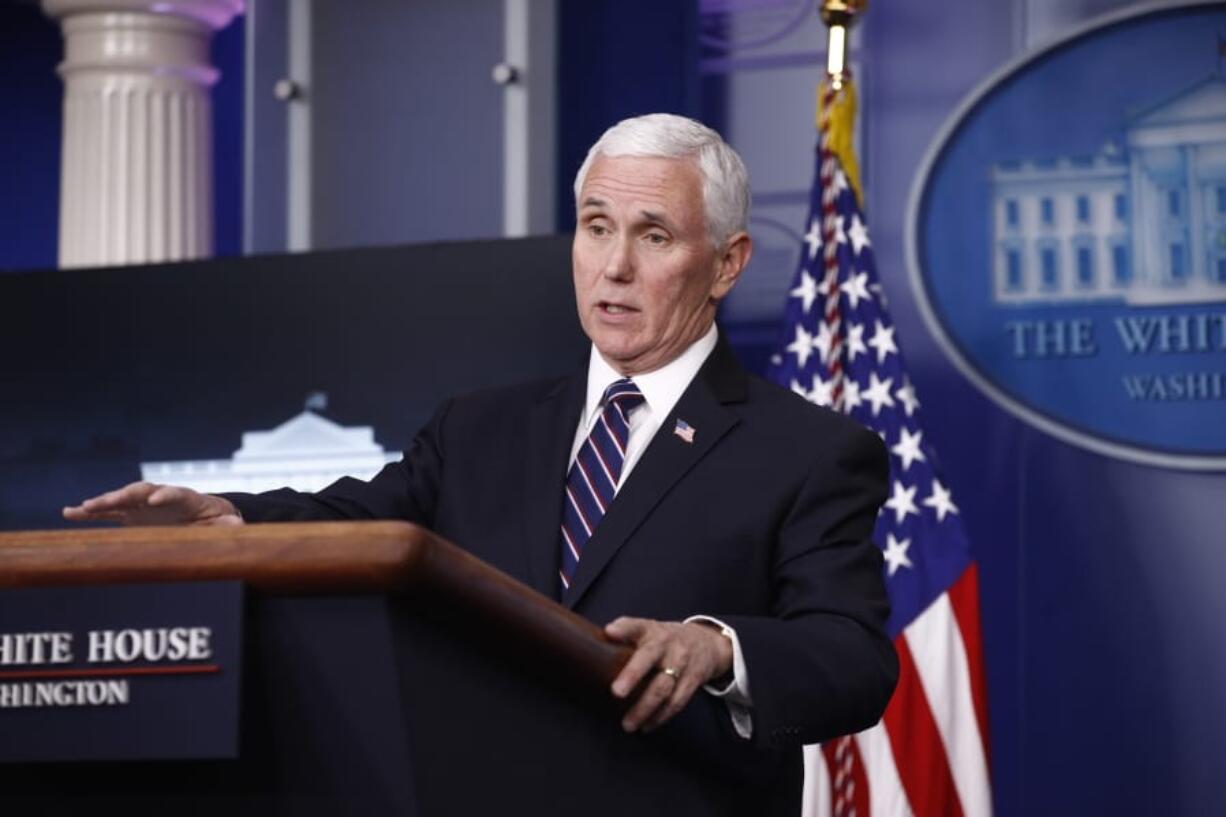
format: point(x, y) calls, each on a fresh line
point(671, 672)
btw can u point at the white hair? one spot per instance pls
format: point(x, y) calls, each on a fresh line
point(725, 182)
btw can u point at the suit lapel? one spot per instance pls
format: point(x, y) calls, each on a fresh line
point(550, 434)
point(667, 459)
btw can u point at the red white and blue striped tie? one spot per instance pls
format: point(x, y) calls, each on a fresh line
point(592, 481)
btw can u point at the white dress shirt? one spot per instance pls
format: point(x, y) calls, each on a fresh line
point(661, 390)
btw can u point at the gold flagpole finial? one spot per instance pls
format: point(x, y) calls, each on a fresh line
point(839, 16)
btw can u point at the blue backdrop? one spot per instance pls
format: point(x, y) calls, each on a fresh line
point(1100, 578)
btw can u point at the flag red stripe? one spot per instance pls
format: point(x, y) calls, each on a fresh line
point(848, 781)
point(922, 764)
point(964, 597)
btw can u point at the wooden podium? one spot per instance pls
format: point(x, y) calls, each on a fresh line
point(386, 671)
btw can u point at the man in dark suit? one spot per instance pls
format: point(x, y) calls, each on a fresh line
point(713, 521)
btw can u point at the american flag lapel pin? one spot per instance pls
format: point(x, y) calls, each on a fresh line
point(685, 431)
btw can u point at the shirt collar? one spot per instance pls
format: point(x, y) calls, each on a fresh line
point(661, 388)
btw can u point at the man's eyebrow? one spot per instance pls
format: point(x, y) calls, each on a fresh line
point(649, 216)
point(656, 218)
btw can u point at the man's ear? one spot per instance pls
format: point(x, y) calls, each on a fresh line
point(731, 262)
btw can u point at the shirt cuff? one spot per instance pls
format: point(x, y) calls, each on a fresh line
point(736, 693)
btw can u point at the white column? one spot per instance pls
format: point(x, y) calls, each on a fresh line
point(1196, 216)
point(136, 168)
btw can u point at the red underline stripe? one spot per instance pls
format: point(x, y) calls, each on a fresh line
point(107, 672)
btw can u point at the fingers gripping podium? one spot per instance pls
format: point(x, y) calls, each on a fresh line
point(386, 670)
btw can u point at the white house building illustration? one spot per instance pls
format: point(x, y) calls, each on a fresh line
point(1143, 223)
point(306, 452)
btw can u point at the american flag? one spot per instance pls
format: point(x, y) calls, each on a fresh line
point(928, 755)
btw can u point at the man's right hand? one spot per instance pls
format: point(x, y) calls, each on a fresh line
point(144, 503)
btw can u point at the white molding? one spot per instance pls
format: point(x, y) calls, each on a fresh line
point(298, 233)
point(528, 159)
point(249, 35)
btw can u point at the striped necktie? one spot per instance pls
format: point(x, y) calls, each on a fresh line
point(592, 480)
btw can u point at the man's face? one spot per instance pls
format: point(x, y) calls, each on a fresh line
point(647, 277)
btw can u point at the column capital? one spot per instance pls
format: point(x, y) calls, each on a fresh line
point(216, 14)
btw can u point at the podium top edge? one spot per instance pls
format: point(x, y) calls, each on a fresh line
point(378, 556)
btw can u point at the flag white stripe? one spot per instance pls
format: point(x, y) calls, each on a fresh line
point(816, 796)
point(886, 797)
point(940, 659)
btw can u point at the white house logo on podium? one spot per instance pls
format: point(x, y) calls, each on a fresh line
point(1067, 237)
point(306, 452)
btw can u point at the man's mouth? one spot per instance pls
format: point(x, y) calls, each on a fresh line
point(615, 309)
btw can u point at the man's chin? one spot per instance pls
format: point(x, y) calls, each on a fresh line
point(625, 358)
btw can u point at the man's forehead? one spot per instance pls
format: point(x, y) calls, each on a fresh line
point(621, 165)
point(662, 179)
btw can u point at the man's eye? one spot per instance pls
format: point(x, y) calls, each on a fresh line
point(598, 230)
point(657, 238)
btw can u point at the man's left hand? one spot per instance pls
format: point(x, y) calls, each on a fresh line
point(682, 657)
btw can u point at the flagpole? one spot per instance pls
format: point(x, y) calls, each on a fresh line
point(839, 16)
point(929, 753)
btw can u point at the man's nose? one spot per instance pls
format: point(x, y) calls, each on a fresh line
point(619, 264)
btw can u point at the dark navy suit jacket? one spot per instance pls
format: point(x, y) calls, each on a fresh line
point(762, 521)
